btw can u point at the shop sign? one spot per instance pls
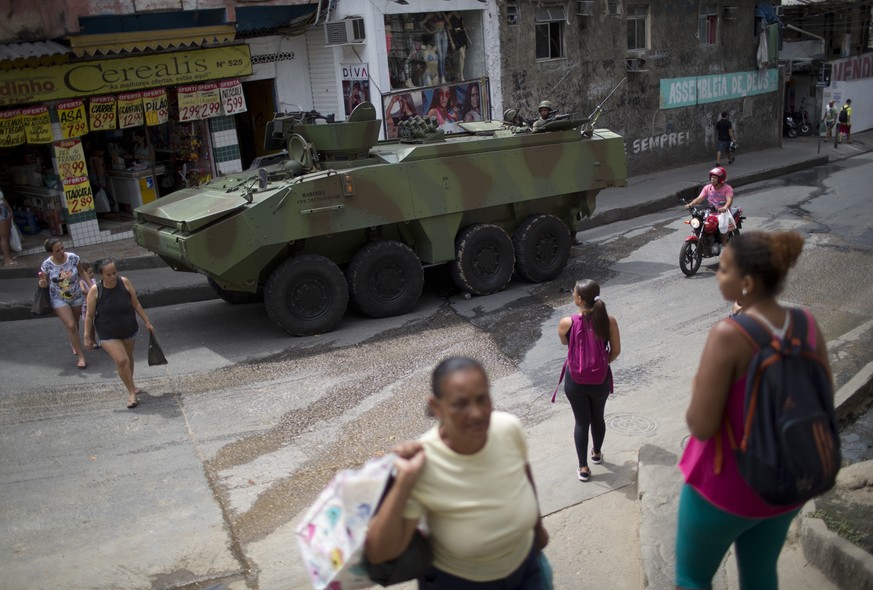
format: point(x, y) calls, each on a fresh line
point(156, 106)
point(356, 85)
point(210, 100)
point(37, 124)
point(123, 75)
point(130, 112)
point(11, 128)
point(71, 114)
point(233, 100)
point(74, 175)
point(101, 113)
point(694, 90)
point(189, 103)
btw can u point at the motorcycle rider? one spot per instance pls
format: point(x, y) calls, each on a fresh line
point(720, 196)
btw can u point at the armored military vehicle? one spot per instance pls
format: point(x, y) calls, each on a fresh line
point(346, 216)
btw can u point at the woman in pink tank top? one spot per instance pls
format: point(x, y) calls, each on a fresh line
point(717, 508)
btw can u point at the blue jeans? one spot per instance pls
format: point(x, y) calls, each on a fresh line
point(528, 576)
point(442, 47)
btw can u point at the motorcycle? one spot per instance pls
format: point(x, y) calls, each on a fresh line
point(704, 240)
point(801, 119)
point(789, 127)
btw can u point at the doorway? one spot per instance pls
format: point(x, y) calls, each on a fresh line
point(252, 124)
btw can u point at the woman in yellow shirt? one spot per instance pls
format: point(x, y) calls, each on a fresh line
point(469, 477)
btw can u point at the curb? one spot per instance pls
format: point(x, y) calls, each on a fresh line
point(690, 192)
point(147, 262)
point(845, 564)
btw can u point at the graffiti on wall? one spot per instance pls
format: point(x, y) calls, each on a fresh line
point(661, 142)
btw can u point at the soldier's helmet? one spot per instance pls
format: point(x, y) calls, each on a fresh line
point(546, 104)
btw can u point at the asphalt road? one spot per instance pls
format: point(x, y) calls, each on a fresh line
point(235, 437)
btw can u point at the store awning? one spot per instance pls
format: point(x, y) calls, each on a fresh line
point(120, 43)
point(38, 53)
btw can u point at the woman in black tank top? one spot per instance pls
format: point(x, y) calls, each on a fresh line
point(112, 309)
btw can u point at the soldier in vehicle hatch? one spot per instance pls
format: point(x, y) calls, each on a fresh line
point(545, 110)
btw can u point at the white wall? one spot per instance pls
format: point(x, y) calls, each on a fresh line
point(861, 93)
point(290, 71)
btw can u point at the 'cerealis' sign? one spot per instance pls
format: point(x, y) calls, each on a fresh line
point(18, 87)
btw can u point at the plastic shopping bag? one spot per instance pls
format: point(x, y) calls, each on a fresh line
point(101, 202)
point(726, 222)
point(331, 536)
point(15, 239)
point(42, 305)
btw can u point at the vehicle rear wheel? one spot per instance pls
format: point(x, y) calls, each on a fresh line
point(307, 294)
point(385, 278)
point(792, 132)
point(690, 258)
point(484, 259)
point(236, 297)
point(542, 247)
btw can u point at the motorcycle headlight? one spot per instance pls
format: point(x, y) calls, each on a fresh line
point(695, 223)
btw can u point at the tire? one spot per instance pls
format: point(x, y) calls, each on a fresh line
point(307, 294)
point(690, 258)
point(385, 278)
point(792, 132)
point(542, 248)
point(805, 129)
point(236, 297)
point(484, 259)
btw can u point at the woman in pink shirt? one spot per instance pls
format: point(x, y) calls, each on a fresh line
point(717, 507)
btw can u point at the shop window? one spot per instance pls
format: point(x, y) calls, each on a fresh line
point(434, 48)
point(637, 27)
point(708, 24)
point(550, 32)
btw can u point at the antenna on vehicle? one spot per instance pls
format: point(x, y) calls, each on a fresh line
point(588, 128)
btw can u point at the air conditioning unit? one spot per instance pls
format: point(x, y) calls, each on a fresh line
point(349, 31)
point(729, 13)
point(635, 64)
point(780, 11)
point(613, 7)
point(584, 7)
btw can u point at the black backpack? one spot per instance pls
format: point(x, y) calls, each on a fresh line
point(790, 451)
point(843, 117)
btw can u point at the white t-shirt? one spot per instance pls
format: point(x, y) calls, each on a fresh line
point(481, 508)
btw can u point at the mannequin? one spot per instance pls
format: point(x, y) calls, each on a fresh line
point(415, 66)
point(436, 24)
point(458, 35)
point(430, 56)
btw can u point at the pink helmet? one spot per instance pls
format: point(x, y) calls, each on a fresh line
point(719, 172)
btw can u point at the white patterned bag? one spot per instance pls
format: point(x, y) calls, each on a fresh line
point(332, 534)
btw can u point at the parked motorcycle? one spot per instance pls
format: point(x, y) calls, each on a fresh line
point(789, 127)
point(704, 240)
point(801, 119)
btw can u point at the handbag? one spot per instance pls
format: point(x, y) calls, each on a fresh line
point(409, 565)
point(156, 355)
point(42, 304)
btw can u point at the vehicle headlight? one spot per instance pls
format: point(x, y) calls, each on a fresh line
point(695, 223)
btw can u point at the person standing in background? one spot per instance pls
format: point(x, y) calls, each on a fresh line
point(6, 231)
point(845, 120)
point(724, 136)
point(830, 119)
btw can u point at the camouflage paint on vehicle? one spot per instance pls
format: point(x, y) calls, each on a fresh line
point(341, 189)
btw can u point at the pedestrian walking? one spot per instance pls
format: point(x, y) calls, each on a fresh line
point(830, 119)
point(469, 476)
point(593, 342)
point(61, 272)
point(845, 120)
point(724, 136)
point(6, 222)
point(112, 310)
point(85, 284)
point(717, 508)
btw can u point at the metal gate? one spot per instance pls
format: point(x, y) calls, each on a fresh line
point(322, 74)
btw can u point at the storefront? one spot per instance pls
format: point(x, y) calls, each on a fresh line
point(85, 143)
point(435, 65)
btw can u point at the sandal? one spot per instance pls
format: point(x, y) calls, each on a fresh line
point(596, 458)
point(132, 406)
point(584, 473)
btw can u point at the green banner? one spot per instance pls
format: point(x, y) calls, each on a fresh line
point(686, 92)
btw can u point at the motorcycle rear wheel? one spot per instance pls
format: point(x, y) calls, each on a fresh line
point(805, 129)
point(690, 258)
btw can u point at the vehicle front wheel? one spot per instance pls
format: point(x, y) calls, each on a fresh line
point(236, 297)
point(307, 294)
point(385, 278)
point(484, 259)
point(542, 247)
point(690, 258)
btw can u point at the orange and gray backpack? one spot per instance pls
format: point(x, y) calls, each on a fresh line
point(790, 450)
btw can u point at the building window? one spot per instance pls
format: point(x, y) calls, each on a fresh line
point(707, 24)
point(637, 25)
point(550, 32)
point(512, 13)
